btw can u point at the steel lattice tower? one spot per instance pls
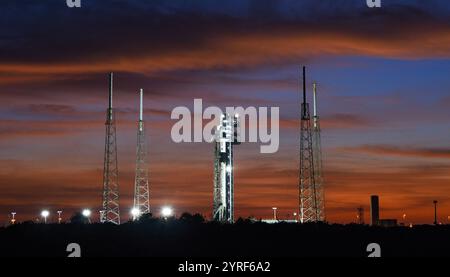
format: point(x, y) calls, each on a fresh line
point(141, 191)
point(317, 153)
point(227, 135)
point(308, 199)
point(110, 212)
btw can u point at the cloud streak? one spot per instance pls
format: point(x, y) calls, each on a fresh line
point(388, 150)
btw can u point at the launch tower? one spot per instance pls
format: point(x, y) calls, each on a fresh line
point(227, 135)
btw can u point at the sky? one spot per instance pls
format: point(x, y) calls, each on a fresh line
point(383, 86)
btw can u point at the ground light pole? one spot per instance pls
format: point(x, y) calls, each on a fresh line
point(13, 219)
point(59, 217)
point(275, 213)
point(45, 214)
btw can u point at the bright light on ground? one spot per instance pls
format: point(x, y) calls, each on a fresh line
point(135, 212)
point(86, 213)
point(166, 211)
point(45, 213)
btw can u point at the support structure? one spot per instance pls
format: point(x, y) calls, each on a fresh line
point(374, 210)
point(141, 190)
point(227, 135)
point(317, 153)
point(110, 212)
point(360, 216)
point(309, 211)
point(435, 202)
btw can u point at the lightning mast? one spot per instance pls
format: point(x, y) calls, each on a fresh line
point(227, 135)
point(360, 215)
point(110, 212)
point(307, 184)
point(317, 153)
point(141, 191)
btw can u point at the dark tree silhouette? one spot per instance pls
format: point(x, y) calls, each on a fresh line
point(195, 219)
point(191, 236)
point(78, 218)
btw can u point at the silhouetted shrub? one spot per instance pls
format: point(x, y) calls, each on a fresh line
point(195, 219)
point(78, 218)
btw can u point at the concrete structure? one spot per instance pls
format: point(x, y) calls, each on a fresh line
point(374, 210)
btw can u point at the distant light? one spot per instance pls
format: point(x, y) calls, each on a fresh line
point(166, 211)
point(13, 219)
point(59, 216)
point(45, 213)
point(86, 213)
point(135, 212)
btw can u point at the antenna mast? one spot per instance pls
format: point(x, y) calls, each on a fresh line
point(141, 191)
point(308, 201)
point(318, 165)
point(110, 212)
